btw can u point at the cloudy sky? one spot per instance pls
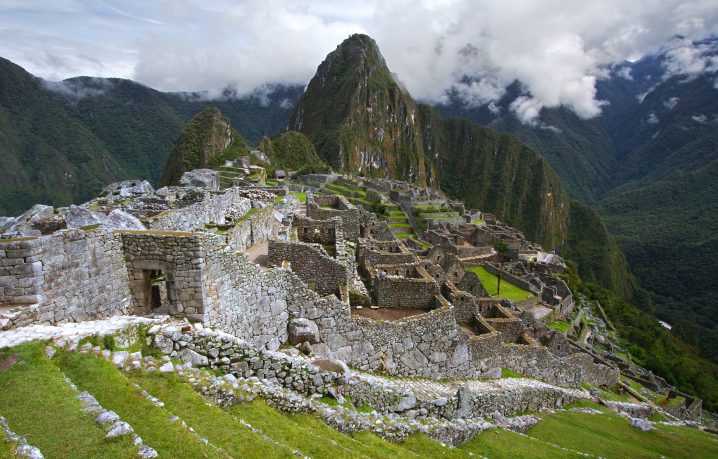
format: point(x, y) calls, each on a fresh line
point(555, 48)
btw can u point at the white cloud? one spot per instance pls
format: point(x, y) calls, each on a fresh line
point(671, 102)
point(556, 49)
point(652, 118)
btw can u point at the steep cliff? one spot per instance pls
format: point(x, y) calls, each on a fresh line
point(206, 142)
point(362, 121)
point(359, 119)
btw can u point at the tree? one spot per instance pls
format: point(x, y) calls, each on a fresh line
point(501, 248)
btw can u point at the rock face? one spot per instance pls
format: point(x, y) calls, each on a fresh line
point(128, 188)
point(80, 217)
point(361, 121)
point(303, 330)
point(206, 141)
point(642, 424)
point(204, 178)
point(22, 225)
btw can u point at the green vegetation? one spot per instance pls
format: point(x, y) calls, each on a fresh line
point(509, 291)
point(207, 141)
point(40, 406)
point(209, 421)
point(609, 435)
point(290, 151)
point(560, 326)
point(506, 373)
point(651, 345)
point(300, 195)
point(115, 392)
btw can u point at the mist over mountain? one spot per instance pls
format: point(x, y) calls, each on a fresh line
point(63, 141)
point(649, 165)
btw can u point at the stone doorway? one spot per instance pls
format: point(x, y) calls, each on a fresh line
point(154, 289)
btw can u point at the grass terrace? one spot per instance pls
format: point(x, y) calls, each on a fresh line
point(40, 405)
point(560, 326)
point(490, 281)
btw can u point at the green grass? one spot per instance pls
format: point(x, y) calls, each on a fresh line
point(478, 221)
point(509, 291)
point(310, 435)
point(609, 435)
point(114, 392)
point(248, 215)
point(300, 195)
point(211, 422)
point(506, 373)
point(40, 406)
point(560, 326)
point(497, 443)
point(396, 212)
point(403, 235)
point(404, 224)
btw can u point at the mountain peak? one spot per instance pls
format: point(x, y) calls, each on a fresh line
point(206, 141)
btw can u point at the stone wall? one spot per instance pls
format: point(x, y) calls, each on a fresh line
point(317, 231)
point(69, 276)
point(403, 286)
point(383, 253)
point(312, 264)
point(261, 226)
point(335, 206)
point(215, 208)
point(180, 256)
point(232, 355)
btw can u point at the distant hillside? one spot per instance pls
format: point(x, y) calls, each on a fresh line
point(363, 122)
point(205, 142)
point(62, 142)
point(649, 165)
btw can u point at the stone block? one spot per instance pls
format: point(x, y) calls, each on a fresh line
point(303, 330)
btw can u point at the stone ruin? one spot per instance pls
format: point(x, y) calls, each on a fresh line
point(367, 300)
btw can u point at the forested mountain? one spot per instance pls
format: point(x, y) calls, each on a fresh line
point(649, 165)
point(61, 142)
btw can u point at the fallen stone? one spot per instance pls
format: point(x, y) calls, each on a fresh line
point(50, 352)
point(167, 367)
point(118, 429)
point(642, 424)
point(190, 356)
point(303, 330)
point(107, 417)
point(119, 358)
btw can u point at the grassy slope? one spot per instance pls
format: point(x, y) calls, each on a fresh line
point(490, 283)
point(114, 392)
point(610, 435)
point(40, 406)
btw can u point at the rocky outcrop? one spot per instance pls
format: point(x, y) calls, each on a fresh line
point(206, 142)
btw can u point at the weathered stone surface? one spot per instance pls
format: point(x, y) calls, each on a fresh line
point(22, 225)
point(128, 188)
point(204, 178)
point(190, 356)
point(642, 424)
point(303, 330)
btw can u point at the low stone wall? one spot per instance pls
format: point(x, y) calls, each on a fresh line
point(214, 208)
point(386, 253)
point(397, 291)
point(260, 227)
point(312, 264)
point(317, 231)
point(340, 207)
point(232, 355)
point(69, 276)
